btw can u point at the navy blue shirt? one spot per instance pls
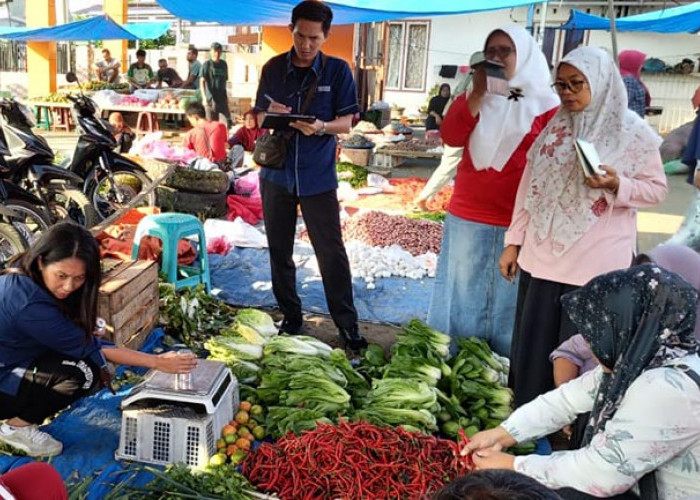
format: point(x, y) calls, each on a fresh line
point(31, 324)
point(310, 165)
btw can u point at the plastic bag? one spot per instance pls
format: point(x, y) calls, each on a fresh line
point(238, 233)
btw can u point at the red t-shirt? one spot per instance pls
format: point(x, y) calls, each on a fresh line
point(485, 196)
point(208, 140)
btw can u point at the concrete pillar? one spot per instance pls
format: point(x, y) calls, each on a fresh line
point(117, 10)
point(41, 56)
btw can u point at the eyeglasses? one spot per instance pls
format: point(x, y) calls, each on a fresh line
point(501, 52)
point(574, 87)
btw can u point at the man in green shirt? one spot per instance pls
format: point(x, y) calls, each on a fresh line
point(212, 81)
point(140, 74)
point(195, 69)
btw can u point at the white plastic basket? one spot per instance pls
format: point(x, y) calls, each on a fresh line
point(163, 431)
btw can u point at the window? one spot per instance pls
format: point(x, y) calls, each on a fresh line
point(407, 56)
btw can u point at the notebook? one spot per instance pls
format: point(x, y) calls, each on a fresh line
point(588, 158)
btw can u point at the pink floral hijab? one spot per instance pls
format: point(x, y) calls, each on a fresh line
point(561, 206)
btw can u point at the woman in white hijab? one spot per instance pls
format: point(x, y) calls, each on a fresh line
point(568, 228)
point(495, 130)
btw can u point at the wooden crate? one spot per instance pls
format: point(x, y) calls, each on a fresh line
point(358, 157)
point(128, 300)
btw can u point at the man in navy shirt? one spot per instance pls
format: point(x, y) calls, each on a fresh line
point(308, 177)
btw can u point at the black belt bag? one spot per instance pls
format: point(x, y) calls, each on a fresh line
point(271, 149)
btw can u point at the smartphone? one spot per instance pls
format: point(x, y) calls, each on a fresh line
point(496, 81)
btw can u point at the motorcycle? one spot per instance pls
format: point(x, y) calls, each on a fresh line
point(110, 180)
point(29, 161)
point(20, 219)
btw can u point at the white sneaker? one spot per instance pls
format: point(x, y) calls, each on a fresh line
point(30, 440)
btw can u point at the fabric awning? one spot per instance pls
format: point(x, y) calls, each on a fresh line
point(94, 28)
point(278, 12)
point(683, 19)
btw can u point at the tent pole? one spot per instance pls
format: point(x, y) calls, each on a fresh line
point(543, 21)
point(613, 29)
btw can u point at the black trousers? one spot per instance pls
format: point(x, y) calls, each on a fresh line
point(540, 326)
point(50, 384)
point(218, 106)
point(322, 220)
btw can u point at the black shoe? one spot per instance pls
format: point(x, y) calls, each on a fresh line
point(290, 327)
point(352, 339)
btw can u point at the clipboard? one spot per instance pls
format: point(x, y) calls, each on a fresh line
point(281, 121)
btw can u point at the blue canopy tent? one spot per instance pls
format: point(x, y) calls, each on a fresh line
point(94, 28)
point(278, 12)
point(683, 19)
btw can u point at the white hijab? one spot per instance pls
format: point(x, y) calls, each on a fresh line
point(503, 121)
point(560, 204)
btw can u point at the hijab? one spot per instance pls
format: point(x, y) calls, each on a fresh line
point(438, 102)
point(683, 261)
point(561, 206)
point(504, 121)
point(631, 62)
point(634, 320)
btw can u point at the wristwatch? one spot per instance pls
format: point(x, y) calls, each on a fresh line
point(323, 129)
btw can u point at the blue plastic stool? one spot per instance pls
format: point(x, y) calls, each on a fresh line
point(171, 228)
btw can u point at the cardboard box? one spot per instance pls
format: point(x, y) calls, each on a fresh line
point(128, 300)
point(358, 157)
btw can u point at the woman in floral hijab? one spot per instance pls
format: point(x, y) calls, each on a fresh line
point(568, 228)
point(644, 398)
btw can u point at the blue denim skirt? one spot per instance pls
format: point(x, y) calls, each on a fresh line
point(471, 298)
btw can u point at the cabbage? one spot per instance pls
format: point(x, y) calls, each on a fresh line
point(259, 320)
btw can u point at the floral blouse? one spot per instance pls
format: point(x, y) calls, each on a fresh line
point(656, 427)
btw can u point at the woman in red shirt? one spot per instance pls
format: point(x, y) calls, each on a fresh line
point(243, 140)
point(496, 131)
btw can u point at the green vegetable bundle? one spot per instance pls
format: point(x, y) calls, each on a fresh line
point(476, 383)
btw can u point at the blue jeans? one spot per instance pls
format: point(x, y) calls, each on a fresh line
point(471, 298)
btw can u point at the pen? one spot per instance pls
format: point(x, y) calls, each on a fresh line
point(269, 98)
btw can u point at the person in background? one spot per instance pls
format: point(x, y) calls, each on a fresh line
point(167, 75)
point(49, 355)
point(140, 74)
point(638, 96)
point(195, 68)
point(451, 156)
point(495, 485)
point(32, 481)
point(207, 138)
point(495, 131)
point(308, 177)
point(644, 398)
point(122, 132)
point(436, 107)
point(108, 68)
point(568, 228)
point(212, 81)
point(243, 140)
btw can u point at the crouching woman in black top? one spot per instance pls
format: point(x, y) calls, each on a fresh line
point(49, 356)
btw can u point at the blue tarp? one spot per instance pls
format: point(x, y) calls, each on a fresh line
point(95, 28)
point(683, 19)
point(278, 12)
point(243, 276)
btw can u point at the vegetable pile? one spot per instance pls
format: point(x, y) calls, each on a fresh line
point(373, 263)
point(239, 434)
point(354, 174)
point(382, 230)
point(305, 382)
point(409, 188)
point(355, 460)
point(478, 381)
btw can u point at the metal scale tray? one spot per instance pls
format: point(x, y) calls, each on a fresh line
point(210, 380)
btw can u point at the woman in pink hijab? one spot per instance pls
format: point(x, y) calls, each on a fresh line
point(638, 97)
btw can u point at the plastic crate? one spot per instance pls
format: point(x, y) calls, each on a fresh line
point(181, 429)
